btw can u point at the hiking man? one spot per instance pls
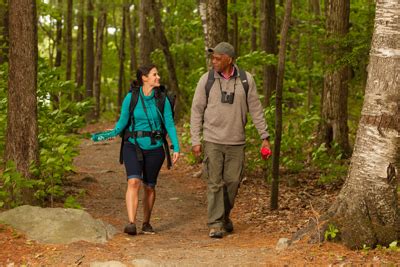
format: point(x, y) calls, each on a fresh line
point(220, 104)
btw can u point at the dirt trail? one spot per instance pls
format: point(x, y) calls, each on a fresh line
point(179, 218)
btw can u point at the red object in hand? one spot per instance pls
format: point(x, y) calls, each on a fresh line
point(265, 152)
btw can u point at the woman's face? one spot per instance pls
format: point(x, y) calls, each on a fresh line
point(152, 79)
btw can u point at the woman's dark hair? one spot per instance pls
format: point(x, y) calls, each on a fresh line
point(142, 70)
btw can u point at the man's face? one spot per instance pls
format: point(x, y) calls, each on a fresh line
point(220, 62)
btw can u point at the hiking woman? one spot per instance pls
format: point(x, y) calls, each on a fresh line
point(143, 153)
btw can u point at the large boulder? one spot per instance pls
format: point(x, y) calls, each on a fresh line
point(57, 225)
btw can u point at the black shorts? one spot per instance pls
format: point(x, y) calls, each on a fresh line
point(146, 170)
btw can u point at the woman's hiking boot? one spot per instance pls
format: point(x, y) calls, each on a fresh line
point(147, 229)
point(130, 229)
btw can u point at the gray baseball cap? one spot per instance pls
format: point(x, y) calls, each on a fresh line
point(223, 48)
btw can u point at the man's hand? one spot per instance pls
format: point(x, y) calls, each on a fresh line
point(266, 144)
point(196, 150)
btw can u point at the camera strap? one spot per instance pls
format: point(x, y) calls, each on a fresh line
point(220, 86)
point(153, 141)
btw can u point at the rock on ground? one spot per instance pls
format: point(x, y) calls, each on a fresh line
point(57, 225)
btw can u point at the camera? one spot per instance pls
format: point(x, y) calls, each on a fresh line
point(156, 135)
point(227, 97)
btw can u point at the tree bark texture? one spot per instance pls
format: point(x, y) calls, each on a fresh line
point(234, 30)
point(131, 25)
point(334, 103)
point(314, 11)
point(69, 39)
point(366, 210)
point(217, 24)
point(145, 42)
point(58, 59)
point(4, 31)
point(121, 73)
point(203, 16)
point(89, 49)
point(22, 145)
point(101, 23)
point(253, 27)
point(80, 53)
point(268, 44)
point(315, 7)
point(278, 112)
point(159, 29)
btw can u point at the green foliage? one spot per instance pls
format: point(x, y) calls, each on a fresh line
point(12, 186)
point(71, 201)
point(185, 140)
point(57, 143)
point(331, 232)
point(3, 105)
point(329, 163)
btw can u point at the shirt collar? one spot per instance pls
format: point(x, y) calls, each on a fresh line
point(227, 77)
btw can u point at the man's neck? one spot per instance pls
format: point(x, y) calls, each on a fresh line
point(228, 72)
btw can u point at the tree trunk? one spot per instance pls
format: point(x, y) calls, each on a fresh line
point(203, 16)
point(268, 44)
point(89, 49)
point(69, 39)
point(145, 42)
point(234, 31)
point(173, 80)
point(121, 74)
point(80, 53)
point(278, 112)
point(366, 210)
point(101, 23)
point(4, 31)
point(314, 11)
point(334, 103)
point(22, 144)
point(315, 7)
point(131, 25)
point(59, 36)
point(217, 25)
point(253, 27)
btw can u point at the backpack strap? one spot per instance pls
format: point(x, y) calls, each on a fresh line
point(209, 84)
point(245, 83)
point(125, 134)
point(161, 96)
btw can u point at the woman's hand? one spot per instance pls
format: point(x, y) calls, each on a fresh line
point(175, 157)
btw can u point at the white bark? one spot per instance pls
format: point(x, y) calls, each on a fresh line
point(203, 16)
point(366, 208)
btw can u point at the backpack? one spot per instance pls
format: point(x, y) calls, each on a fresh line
point(211, 79)
point(160, 94)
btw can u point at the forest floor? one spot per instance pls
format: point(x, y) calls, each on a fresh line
point(179, 218)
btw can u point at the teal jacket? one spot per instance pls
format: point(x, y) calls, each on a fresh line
point(142, 121)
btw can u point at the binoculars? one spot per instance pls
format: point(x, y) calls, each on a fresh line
point(227, 97)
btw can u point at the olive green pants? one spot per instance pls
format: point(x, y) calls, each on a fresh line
point(223, 168)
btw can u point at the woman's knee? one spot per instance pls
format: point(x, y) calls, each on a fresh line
point(134, 183)
point(149, 189)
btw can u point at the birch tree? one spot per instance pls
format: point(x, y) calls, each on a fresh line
point(366, 211)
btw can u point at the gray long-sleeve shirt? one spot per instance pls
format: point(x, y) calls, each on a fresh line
point(224, 123)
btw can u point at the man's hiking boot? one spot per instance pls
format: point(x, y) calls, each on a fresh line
point(216, 233)
point(147, 229)
point(130, 229)
point(228, 226)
